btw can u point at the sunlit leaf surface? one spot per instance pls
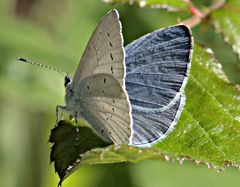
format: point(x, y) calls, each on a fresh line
point(208, 130)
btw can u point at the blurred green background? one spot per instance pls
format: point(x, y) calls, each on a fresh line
point(55, 33)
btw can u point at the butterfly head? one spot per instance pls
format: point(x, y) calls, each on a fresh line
point(67, 80)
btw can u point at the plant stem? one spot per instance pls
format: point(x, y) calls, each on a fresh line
point(198, 15)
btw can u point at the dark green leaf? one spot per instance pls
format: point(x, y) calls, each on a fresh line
point(69, 142)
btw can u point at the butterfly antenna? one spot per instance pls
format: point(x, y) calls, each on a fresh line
point(41, 65)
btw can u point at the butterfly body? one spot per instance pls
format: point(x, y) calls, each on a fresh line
point(72, 100)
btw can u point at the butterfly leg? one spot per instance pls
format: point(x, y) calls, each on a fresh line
point(76, 117)
point(59, 109)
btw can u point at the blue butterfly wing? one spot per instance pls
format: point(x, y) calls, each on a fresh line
point(149, 128)
point(157, 67)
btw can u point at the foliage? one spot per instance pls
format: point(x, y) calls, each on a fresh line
point(209, 127)
point(69, 142)
point(208, 130)
point(56, 33)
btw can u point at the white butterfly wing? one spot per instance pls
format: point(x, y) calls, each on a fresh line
point(104, 104)
point(104, 52)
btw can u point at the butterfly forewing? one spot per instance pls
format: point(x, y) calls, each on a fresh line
point(106, 107)
point(104, 52)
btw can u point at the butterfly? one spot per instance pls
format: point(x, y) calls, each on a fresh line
point(134, 98)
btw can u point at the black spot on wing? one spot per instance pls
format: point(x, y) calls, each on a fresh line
point(111, 55)
point(112, 69)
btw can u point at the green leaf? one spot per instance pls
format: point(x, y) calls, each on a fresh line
point(226, 21)
point(69, 142)
point(208, 130)
point(171, 5)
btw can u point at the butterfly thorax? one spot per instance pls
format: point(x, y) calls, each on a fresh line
point(72, 103)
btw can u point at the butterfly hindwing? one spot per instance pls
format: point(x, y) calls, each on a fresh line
point(106, 107)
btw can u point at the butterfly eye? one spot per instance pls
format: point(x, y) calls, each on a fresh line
point(67, 80)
